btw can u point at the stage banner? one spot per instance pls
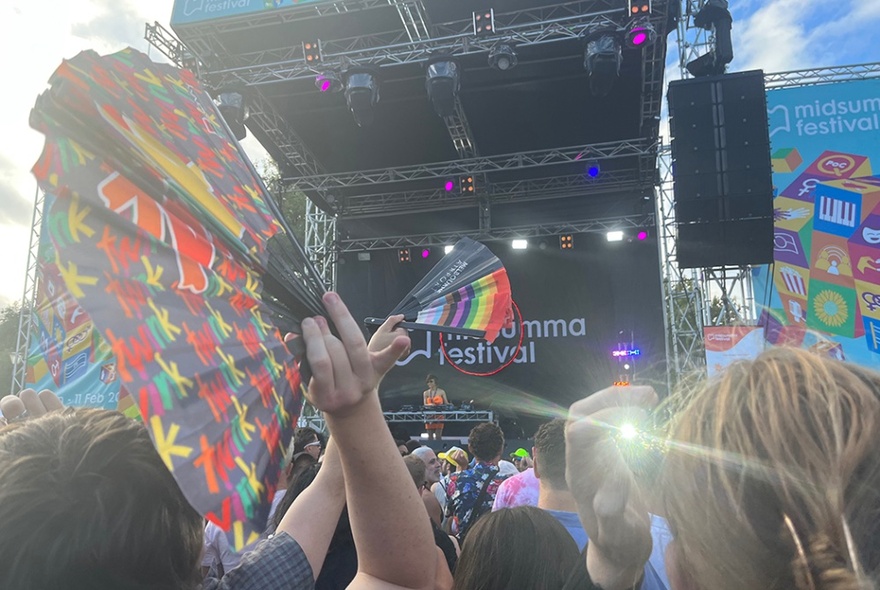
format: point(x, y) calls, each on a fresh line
point(823, 291)
point(578, 307)
point(728, 344)
point(193, 11)
point(67, 355)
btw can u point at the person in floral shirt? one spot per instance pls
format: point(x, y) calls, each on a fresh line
point(467, 501)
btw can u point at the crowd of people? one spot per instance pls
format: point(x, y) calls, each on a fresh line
point(764, 478)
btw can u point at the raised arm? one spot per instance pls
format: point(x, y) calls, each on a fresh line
point(344, 386)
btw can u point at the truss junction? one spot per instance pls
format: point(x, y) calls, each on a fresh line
point(523, 135)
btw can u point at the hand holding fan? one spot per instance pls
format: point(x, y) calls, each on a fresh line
point(467, 293)
point(166, 236)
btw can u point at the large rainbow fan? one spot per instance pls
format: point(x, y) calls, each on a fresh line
point(166, 236)
point(467, 293)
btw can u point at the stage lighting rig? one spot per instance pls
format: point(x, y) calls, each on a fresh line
point(467, 185)
point(714, 16)
point(484, 22)
point(403, 255)
point(602, 59)
point(639, 7)
point(502, 57)
point(640, 33)
point(443, 81)
point(232, 105)
point(566, 242)
point(361, 94)
point(312, 51)
point(328, 82)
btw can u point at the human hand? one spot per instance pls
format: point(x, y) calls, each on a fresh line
point(28, 404)
point(387, 333)
point(345, 372)
point(610, 504)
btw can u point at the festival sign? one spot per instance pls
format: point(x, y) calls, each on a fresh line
point(728, 344)
point(824, 291)
point(193, 11)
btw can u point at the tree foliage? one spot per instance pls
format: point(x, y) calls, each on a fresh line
point(291, 201)
point(9, 317)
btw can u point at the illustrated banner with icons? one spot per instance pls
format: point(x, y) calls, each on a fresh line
point(823, 290)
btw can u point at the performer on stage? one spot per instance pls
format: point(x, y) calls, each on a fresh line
point(434, 396)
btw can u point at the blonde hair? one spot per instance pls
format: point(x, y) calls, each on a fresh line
point(772, 480)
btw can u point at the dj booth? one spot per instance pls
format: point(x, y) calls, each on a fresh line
point(424, 415)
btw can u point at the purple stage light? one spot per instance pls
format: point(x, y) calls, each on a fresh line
point(325, 85)
point(639, 36)
point(426, 253)
point(449, 186)
point(642, 235)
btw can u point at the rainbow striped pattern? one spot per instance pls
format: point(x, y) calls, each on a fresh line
point(483, 305)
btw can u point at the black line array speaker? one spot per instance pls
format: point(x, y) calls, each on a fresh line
point(721, 168)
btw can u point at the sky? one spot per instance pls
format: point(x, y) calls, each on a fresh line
point(773, 35)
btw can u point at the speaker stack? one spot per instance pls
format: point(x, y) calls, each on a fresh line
point(721, 168)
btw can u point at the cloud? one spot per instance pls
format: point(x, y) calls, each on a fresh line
point(15, 209)
point(116, 25)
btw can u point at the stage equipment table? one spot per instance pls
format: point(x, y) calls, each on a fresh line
point(317, 422)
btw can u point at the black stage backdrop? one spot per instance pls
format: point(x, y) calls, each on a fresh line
point(577, 306)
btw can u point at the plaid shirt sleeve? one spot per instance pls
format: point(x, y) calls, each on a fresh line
point(275, 564)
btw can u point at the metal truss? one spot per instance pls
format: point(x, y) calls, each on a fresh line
point(414, 18)
point(499, 233)
point(497, 192)
point(812, 76)
point(526, 27)
point(321, 242)
point(460, 132)
point(434, 415)
point(28, 299)
point(480, 165)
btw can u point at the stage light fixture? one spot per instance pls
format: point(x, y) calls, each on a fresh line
point(484, 22)
point(640, 33)
point(233, 107)
point(637, 7)
point(312, 51)
point(361, 94)
point(449, 186)
point(602, 59)
point(448, 248)
point(519, 244)
point(328, 81)
point(502, 57)
point(442, 82)
point(593, 169)
point(642, 235)
point(426, 252)
point(614, 236)
point(467, 185)
point(566, 242)
point(403, 255)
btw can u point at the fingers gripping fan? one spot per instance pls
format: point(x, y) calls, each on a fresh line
point(467, 293)
point(166, 236)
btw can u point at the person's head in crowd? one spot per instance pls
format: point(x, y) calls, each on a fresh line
point(305, 449)
point(521, 459)
point(772, 480)
point(401, 446)
point(417, 470)
point(549, 455)
point(432, 463)
point(431, 381)
point(86, 502)
point(455, 459)
point(506, 468)
point(412, 444)
point(522, 547)
point(486, 442)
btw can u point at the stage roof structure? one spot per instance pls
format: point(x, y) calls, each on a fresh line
point(524, 135)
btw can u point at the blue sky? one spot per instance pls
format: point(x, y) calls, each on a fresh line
point(774, 35)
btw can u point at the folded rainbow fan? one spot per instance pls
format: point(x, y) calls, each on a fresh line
point(166, 236)
point(467, 293)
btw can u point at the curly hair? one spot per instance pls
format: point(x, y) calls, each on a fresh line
point(486, 441)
